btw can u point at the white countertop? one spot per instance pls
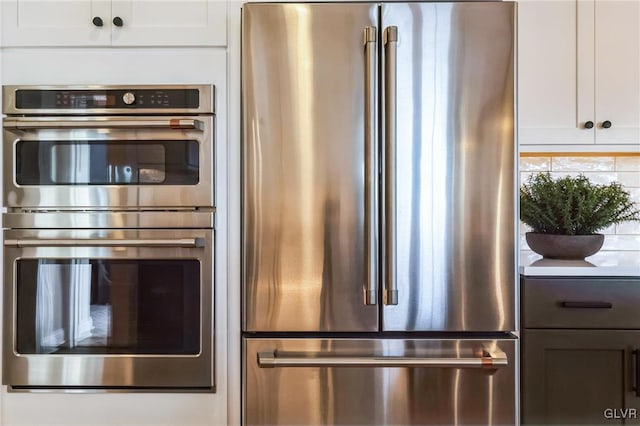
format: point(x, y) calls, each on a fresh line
point(601, 264)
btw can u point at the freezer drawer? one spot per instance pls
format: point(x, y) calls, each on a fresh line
point(379, 382)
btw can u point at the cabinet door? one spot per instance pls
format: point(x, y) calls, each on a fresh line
point(55, 23)
point(555, 72)
point(617, 50)
point(170, 22)
point(579, 377)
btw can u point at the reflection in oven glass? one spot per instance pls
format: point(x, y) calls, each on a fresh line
point(108, 306)
point(54, 163)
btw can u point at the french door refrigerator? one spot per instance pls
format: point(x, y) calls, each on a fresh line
point(378, 214)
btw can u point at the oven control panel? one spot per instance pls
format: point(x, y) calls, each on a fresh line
point(107, 99)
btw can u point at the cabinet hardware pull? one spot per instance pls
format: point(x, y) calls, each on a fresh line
point(636, 374)
point(118, 22)
point(588, 125)
point(606, 124)
point(97, 21)
point(586, 305)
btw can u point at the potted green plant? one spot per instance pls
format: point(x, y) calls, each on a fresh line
point(565, 214)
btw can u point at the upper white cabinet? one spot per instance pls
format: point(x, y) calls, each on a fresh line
point(114, 22)
point(579, 72)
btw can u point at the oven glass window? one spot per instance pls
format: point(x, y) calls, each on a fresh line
point(107, 163)
point(105, 306)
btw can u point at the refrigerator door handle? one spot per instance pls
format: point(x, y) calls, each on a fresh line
point(486, 360)
point(370, 168)
point(390, 58)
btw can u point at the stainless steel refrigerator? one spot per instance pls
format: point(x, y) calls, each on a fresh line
point(378, 225)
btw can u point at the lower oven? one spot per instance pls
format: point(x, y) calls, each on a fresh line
point(108, 308)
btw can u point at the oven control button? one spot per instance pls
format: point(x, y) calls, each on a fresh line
point(129, 98)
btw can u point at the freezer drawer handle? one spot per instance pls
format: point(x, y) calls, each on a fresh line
point(270, 359)
point(80, 242)
point(84, 123)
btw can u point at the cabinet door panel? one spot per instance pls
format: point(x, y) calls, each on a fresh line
point(617, 50)
point(555, 70)
point(54, 23)
point(578, 376)
point(170, 22)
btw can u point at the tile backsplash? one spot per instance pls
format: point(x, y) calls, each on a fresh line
point(601, 170)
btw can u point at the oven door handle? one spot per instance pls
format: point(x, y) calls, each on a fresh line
point(82, 242)
point(93, 123)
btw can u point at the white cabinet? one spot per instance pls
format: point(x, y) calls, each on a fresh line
point(114, 22)
point(578, 72)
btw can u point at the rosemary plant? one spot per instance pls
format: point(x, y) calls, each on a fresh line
point(573, 205)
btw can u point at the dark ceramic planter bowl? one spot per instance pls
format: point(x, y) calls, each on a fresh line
point(567, 247)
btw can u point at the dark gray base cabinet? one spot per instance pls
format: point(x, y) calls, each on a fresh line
point(579, 377)
point(579, 361)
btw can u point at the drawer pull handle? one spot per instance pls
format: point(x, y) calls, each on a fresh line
point(586, 305)
point(636, 373)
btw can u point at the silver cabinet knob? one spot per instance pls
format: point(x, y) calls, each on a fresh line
point(129, 98)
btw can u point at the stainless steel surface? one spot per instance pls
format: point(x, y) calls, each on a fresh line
point(31, 123)
point(109, 369)
point(389, 164)
point(205, 101)
point(87, 242)
point(112, 196)
point(455, 186)
point(355, 394)
point(177, 219)
point(128, 98)
point(304, 154)
point(370, 287)
point(270, 359)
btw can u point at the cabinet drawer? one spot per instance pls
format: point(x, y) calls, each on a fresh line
point(581, 303)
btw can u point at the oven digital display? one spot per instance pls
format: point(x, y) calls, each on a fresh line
point(97, 100)
point(84, 100)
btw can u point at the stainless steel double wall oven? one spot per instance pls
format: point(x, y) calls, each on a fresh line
point(109, 237)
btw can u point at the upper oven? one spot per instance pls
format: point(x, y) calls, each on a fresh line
point(115, 147)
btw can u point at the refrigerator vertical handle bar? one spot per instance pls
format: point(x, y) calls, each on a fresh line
point(370, 168)
point(390, 50)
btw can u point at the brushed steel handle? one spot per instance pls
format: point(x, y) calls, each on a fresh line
point(586, 305)
point(95, 242)
point(270, 359)
point(370, 287)
point(390, 112)
point(93, 123)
